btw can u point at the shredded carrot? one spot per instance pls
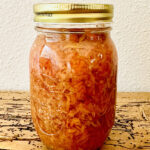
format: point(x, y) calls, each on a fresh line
point(73, 90)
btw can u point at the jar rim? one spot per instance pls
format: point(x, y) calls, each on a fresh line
point(100, 25)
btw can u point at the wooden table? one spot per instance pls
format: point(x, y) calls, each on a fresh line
point(131, 130)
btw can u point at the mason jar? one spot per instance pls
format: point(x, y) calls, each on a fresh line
point(73, 71)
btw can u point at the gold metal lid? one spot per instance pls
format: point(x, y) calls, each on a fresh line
point(73, 13)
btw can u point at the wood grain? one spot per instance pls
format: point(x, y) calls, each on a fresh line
point(130, 132)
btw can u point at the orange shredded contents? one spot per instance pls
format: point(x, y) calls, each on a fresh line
point(73, 89)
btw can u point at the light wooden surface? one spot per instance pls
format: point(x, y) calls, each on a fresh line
point(130, 132)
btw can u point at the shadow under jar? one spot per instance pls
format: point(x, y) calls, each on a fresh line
point(73, 69)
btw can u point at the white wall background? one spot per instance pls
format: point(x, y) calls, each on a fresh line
point(131, 33)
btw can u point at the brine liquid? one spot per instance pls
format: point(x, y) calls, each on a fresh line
point(73, 89)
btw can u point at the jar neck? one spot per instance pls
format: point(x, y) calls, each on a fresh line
point(75, 28)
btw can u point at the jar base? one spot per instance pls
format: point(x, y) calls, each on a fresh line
point(46, 148)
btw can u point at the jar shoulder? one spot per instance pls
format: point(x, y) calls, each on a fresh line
point(73, 46)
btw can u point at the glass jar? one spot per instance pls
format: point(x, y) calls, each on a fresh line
point(73, 69)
